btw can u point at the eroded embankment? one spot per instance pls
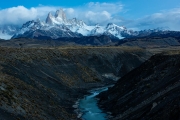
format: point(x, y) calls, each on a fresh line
point(43, 83)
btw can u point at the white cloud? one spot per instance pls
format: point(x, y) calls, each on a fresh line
point(5, 36)
point(90, 13)
point(166, 19)
point(113, 8)
point(69, 11)
point(16, 14)
point(20, 14)
point(95, 12)
point(98, 17)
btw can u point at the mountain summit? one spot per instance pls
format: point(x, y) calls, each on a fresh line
point(58, 25)
point(49, 19)
point(58, 18)
point(60, 15)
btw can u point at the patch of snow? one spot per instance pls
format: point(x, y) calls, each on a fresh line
point(5, 36)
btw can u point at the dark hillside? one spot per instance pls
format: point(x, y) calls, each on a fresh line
point(149, 92)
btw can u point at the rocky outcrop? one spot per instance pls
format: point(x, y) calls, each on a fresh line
point(149, 92)
point(49, 19)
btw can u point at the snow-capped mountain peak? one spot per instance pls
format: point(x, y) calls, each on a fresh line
point(69, 27)
point(76, 22)
point(112, 26)
point(49, 19)
point(60, 15)
point(58, 18)
point(98, 30)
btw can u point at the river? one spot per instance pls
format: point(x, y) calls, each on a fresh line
point(89, 108)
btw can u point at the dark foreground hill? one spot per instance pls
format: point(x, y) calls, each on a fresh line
point(44, 83)
point(149, 92)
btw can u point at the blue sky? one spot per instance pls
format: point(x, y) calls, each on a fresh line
point(136, 8)
point(33, 3)
point(137, 14)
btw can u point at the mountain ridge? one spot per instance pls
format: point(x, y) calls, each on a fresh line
point(58, 25)
point(68, 27)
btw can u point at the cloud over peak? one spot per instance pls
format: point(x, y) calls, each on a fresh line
point(166, 19)
point(93, 13)
point(20, 14)
point(17, 14)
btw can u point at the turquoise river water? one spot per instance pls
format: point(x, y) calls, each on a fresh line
point(89, 108)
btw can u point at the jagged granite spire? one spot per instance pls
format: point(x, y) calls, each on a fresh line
point(49, 19)
point(60, 15)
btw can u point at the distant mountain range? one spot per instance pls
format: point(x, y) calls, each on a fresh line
point(57, 26)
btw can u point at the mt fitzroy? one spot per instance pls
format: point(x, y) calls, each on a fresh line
point(58, 25)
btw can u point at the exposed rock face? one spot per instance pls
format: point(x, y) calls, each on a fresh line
point(149, 92)
point(58, 18)
point(44, 83)
point(49, 19)
point(60, 15)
